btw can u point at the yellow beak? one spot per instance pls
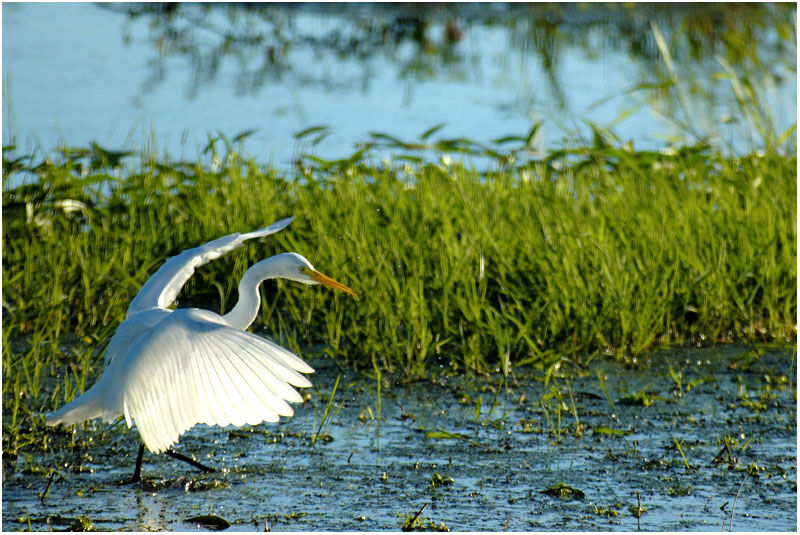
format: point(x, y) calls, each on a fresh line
point(327, 281)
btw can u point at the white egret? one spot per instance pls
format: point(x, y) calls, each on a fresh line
point(168, 370)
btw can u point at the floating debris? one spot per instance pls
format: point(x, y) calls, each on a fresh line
point(564, 492)
point(438, 480)
point(214, 522)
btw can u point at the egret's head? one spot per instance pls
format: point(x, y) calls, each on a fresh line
point(297, 268)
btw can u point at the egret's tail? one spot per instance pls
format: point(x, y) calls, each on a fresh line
point(86, 407)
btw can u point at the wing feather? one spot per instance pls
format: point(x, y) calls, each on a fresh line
point(224, 398)
point(204, 378)
point(290, 360)
point(194, 369)
point(275, 370)
point(256, 379)
point(240, 412)
point(205, 409)
point(184, 399)
point(163, 286)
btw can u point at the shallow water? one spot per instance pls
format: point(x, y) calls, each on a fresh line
point(484, 473)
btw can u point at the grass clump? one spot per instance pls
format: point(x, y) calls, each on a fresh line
point(599, 249)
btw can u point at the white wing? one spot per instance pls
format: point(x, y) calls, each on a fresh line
point(131, 328)
point(163, 286)
point(194, 369)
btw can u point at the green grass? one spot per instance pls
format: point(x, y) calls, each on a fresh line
point(598, 250)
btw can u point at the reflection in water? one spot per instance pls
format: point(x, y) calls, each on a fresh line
point(425, 40)
point(690, 57)
point(653, 75)
point(151, 510)
point(697, 64)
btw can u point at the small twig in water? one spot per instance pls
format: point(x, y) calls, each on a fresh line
point(733, 507)
point(639, 509)
point(416, 516)
point(43, 495)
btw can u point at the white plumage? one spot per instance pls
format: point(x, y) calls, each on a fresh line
point(167, 370)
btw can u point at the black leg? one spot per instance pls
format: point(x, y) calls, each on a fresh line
point(176, 455)
point(137, 472)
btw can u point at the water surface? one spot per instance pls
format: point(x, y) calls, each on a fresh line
point(170, 77)
point(482, 470)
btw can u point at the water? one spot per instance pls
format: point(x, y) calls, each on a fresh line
point(76, 73)
point(484, 473)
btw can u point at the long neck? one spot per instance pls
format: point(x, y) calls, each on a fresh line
point(246, 309)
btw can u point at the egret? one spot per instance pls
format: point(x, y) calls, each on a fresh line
point(170, 369)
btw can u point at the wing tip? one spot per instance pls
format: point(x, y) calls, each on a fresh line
point(52, 420)
point(280, 224)
point(266, 231)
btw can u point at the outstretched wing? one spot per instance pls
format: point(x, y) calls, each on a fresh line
point(163, 286)
point(193, 369)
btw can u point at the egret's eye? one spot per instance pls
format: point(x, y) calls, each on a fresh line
point(303, 270)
